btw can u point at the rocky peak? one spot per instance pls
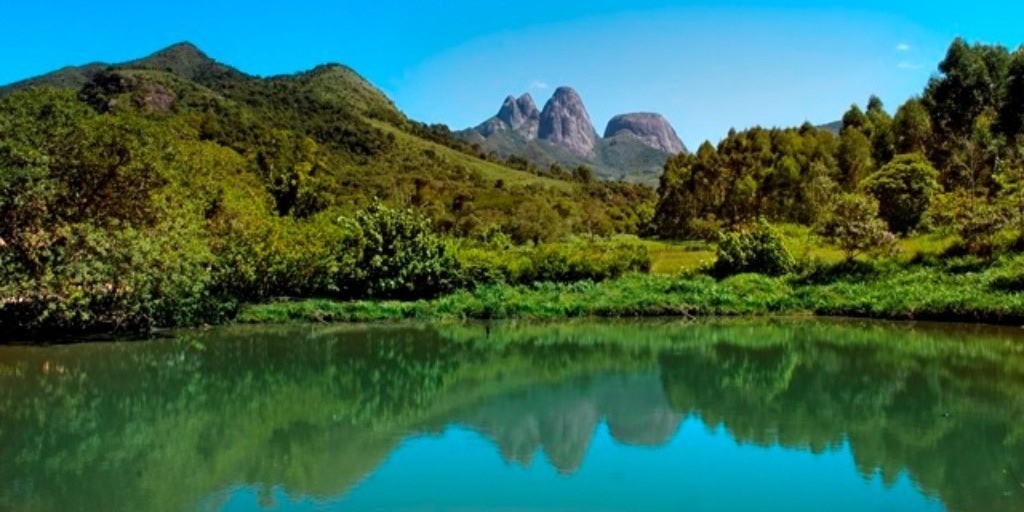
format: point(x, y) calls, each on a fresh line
point(565, 122)
point(651, 129)
point(527, 106)
point(517, 114)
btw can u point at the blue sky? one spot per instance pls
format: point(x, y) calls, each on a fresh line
point(706, 66)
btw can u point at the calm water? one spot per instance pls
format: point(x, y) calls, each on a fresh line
point(788, 416)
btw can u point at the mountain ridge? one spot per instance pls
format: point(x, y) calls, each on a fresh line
point(635, 146)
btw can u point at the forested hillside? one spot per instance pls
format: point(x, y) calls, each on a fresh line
point(143, 193)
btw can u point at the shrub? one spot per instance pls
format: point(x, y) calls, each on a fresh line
point(400, 256)
point(260, 257)
point(95, 279)
point(853, 225)
point(758, 250)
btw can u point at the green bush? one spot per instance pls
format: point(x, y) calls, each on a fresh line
point(400, 257)
point(758, 250)
point(94, 279)
point(852, 224)
point(260, 257)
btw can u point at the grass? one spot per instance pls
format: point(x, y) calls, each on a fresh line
point(669, 257)
point(672, 257)
point(953, 291)
point(489, 170)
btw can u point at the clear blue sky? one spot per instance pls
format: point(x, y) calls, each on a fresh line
point(705, 66)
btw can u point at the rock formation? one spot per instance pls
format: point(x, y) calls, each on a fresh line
point(652, 129)
point(565, 122)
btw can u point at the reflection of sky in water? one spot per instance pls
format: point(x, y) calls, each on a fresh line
point(699, 470)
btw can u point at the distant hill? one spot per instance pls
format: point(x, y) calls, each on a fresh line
point(634, 148)
point(344, 142)
point(834, 127)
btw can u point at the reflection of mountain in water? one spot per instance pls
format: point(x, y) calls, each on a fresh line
point(165, 426)
point(560, 419)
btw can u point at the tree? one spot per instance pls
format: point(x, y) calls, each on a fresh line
point(852, 224)
point(883, 140)
point(1011, 117)
point(854, 158)
point(969, 84)
point(904, 189)
point(855, 119)
point(912, 128)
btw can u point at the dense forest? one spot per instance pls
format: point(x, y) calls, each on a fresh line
point(953, 157)
point(173, 189)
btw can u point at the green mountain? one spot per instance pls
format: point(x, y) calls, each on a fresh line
point(328, 139)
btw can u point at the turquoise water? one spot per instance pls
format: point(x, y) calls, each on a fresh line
point(745, 415)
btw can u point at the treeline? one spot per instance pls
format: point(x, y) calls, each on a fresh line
point(953, 157)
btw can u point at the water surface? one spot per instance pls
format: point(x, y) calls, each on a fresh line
point(742, 415)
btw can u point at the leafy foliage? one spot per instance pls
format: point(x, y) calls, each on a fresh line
point(758, 250)
point(400, 256)
point(853, 225)
point(904, 189)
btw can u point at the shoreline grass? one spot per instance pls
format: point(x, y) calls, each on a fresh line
point(971, 292)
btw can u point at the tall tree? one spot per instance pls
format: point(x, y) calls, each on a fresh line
point(883, 141)
point(854, 158)
point(1011, 117)
point(912, 127)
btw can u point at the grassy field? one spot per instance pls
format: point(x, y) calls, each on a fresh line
point(671, 257)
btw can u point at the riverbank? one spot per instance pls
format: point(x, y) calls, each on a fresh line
point(960, 290)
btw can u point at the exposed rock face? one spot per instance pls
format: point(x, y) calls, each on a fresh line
point(566, 123)
point(652, 129)
point(518, 115)
point(521, 115)
point(635, 148)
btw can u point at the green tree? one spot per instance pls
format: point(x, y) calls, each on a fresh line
point(852, 224)
point(883, 139)
point(1011, 117)
point(912, 128)
point(904, 189)
point(854, 158)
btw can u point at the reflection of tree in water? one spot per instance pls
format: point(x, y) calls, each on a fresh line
point(951, 424)
point(162, 426)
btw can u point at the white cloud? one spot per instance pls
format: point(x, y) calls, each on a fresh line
point(538, 84)
point(903, 47)
point(909, 66)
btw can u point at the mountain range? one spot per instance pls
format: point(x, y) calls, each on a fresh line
point(634, 147)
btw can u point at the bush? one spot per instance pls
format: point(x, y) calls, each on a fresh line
point(260, 257)
point(400, 257)
point(95, 279)
point(758, 250)
point(853, 225)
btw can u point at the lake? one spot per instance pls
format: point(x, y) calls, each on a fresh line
point(788, 415)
